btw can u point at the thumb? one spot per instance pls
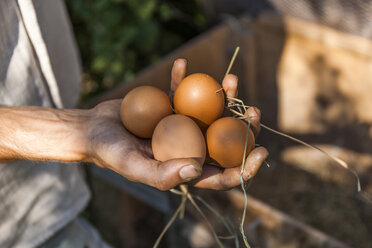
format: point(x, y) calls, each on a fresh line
point(176, 171)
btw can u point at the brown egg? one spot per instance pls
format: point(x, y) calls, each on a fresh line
point(200, 97)
point(178, 136)
point(142, 109)
point(226, 141)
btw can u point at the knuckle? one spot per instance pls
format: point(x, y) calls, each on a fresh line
point(223, 184)
point(249, 173)
point(162, 184)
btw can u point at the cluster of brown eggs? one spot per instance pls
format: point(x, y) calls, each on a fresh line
point(193, 128)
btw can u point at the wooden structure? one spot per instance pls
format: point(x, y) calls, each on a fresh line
point(306, 79)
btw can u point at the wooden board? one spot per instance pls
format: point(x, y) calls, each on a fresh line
point(323, 76)
point(278, 229)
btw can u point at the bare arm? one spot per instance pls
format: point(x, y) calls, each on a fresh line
point(41, 134)
point(96, 135)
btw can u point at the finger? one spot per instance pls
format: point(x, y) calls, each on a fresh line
point(178, 73)
point(255, 117)
point(174, 172)
point(222, 179)
point(161, 175)
point(230, 85)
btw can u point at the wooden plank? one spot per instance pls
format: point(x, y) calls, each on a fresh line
point(322, 74)
point(245, 64)
point(320, 33)
point(279, 229)
point(318, 164)
point(149, 195)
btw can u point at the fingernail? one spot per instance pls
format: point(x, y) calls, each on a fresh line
point(188, 173)
point(233, 75)
point(253, 112)
point(175, 61)
point(258, 112)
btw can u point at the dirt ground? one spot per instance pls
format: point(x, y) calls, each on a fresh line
point(336, 210)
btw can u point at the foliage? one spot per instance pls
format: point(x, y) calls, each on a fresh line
point(117, 38)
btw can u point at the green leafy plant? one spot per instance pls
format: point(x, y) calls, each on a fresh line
point(117, 38)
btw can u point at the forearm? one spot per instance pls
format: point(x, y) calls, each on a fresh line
point(43, 134)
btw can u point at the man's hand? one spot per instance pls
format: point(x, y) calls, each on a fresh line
point(112, 146)
point(97, 135)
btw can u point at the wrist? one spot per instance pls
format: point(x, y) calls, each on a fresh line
point(76, 146)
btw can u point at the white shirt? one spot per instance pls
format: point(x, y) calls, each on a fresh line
point(39, 66)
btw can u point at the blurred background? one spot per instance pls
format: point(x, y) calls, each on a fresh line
point(118, 38)
point(306, 64)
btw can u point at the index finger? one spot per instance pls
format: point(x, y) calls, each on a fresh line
point(178, 73)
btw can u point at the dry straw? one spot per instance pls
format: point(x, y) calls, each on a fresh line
point(186, 195)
